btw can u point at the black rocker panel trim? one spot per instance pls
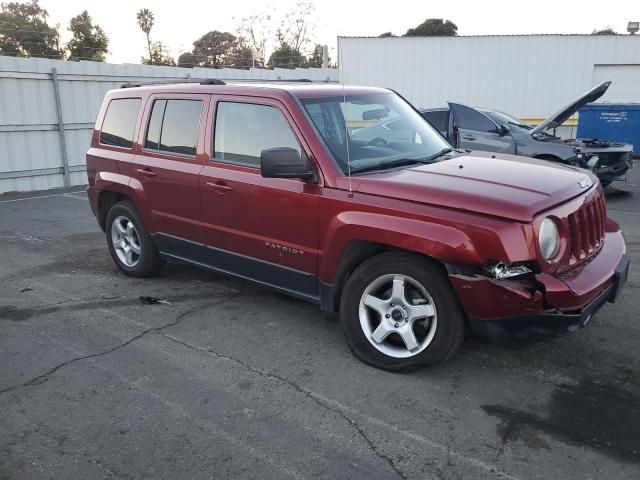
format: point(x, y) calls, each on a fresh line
point(284, 279)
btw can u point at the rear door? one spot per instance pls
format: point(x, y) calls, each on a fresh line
point(169, 161)
point(475, 131)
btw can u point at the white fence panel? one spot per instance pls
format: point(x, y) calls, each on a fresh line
point(30, 145)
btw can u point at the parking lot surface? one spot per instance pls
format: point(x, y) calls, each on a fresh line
point(229, 380)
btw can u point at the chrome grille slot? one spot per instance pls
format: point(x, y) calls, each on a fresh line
point(586, 228)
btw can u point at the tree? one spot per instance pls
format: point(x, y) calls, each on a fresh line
point(145, 22)
point(24, 31)
point(159, 56)
point(605, 31)
point(213, 49)
point(241, 55)
point(386, 34)
point(296, 27)
point(187, 60)
point(285, 56)
point(316, 57)
point(255, 31)
point(89, 41)
point(433, 27)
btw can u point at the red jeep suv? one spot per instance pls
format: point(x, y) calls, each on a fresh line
point(414, 243)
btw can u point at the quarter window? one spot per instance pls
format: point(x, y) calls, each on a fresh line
point(173, 126)
point(119, 122)
point(243, 130)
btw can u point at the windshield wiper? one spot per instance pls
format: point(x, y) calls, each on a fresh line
point(385, 164)
point(442, 152)
point(399, 162)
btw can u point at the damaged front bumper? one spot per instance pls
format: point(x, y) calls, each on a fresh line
point(543, 304)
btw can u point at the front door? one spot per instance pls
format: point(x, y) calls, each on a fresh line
point(262, 228)
point(475, 131)
point(169, 161)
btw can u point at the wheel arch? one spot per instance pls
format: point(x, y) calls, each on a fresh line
point(114, 188)
point(350, 244)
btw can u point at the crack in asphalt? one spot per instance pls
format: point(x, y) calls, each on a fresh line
point(388, 460)
point(37, 380)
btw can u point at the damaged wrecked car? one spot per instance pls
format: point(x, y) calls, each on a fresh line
point(495, 131)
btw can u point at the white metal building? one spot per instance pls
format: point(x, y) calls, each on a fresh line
point(530, 76)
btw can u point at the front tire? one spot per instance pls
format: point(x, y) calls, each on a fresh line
point(129, 243)
point(398, 312)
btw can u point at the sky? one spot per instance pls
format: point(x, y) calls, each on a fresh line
point(179, 23)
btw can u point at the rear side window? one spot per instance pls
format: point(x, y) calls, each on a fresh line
point(119, 122)
point(173, 126)
point(243, 130)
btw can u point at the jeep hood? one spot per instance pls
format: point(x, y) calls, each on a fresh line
point(504, 186)
point(562, 115)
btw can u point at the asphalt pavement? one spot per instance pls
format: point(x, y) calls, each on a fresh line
point(229, 380)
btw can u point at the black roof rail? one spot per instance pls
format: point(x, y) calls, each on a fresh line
point(201, 81)
point(215, 81)
point(273, 80)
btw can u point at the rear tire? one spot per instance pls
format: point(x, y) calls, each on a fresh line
point(398, 311)
point(129, 243)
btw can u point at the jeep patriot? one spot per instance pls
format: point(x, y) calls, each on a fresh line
point(412, 242)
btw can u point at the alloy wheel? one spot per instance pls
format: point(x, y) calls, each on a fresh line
point(397, 315)
point(125, 241)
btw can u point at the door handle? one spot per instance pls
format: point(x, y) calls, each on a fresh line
point(468, 137)
point(219, 186)
point(147, 172)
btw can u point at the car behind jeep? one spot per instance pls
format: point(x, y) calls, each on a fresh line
point(412, 242)
point(495, 131)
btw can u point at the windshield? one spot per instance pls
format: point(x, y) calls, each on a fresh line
point(503, 119)
point(376, 129)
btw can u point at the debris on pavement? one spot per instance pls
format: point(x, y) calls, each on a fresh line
point(146, 300)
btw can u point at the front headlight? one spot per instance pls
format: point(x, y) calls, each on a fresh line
point(548, 238)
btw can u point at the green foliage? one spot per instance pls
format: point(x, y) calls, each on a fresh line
point(285, 56)
point(187, 60)
point(386, 34)
point(241, 55)
point(315, 59)
point(433, 27)
point(89, 41)
point(605, 31)
point(214, 49)
point(159, 56)
point(24, 31)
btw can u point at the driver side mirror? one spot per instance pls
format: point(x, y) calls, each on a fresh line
point(284, 162)
point(503, 130)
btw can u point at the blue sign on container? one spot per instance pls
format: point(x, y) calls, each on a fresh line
point(611, 121)
point(618, 122)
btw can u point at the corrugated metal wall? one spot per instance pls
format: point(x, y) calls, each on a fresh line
point(529, 76)
point(30, 147)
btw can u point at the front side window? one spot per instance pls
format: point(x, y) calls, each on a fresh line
point(471, 119)
point(361, 131)
point(437, 118)
point(173, 126)
point(119, 122)
point(243, 130)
